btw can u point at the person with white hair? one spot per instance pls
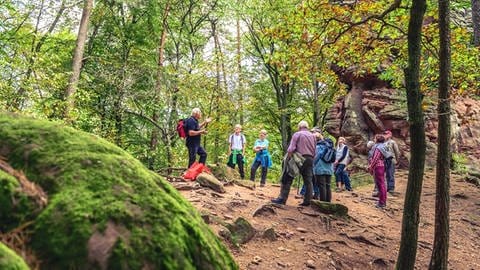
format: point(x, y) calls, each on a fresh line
point(301, 150)
point(194, 130)
point(262, 158)
point(236, 150)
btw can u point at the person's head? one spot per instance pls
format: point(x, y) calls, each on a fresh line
point(341, 141)
point(238, 128)
point(197, 113)
point(262, 134)
point(370, 144)
point(302, 125)
point(318, 133)
point(380, 138)
point(387, 134)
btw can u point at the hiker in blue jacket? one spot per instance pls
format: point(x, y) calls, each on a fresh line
point(322, 170)
point(262, 157)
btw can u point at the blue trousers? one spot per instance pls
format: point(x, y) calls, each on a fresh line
point(341, 175)
point(390, 174)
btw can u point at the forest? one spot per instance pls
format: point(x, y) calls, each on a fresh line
point(128, 71)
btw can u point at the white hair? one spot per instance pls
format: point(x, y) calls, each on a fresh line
point(302, 124)
point(263, 131)
point(196, 110)
point(238, 126)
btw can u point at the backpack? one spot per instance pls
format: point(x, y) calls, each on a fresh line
point(181, 129)
point(329, 155)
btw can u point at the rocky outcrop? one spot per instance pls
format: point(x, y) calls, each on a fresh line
point(371, 107)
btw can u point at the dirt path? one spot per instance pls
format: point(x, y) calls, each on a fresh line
point(368, 240)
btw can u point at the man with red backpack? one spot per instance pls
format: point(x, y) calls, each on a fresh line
point(193, 131)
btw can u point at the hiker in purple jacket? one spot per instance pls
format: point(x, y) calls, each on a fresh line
point(301, 150)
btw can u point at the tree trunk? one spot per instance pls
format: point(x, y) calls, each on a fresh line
point(239, 73)
point(218, 87)
point(77, 60)
point(316, 105)
point(439, 259)
point(408, 244)
point(158, 88)
point(476, 22)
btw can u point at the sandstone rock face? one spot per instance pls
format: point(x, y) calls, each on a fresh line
point(371, 107)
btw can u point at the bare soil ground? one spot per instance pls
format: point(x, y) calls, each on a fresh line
point(369, 239)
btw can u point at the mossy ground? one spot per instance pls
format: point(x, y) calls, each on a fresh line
point(9, 260)
point(91, 182)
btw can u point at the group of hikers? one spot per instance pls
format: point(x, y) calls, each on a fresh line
point(309, 154)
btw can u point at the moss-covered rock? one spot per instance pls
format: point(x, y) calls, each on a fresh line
point(330, 208)
point(241, 230)
point(9, 260)
point(15, 207)
point(106, 210)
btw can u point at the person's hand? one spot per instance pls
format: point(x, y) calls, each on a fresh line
point(208, 120)
point(203, 131)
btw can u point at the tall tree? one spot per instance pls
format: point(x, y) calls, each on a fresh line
point(77, 59)
point(411, 216)
point(21, 97)
point(476, 22)
point(159, 82)
point(439, 259)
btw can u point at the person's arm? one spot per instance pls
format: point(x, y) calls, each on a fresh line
point(396, 150)
point(319, 152)
point(293, 145)
point(244, 144)
point(193, 133)
point(208, 120)
point(230, 142)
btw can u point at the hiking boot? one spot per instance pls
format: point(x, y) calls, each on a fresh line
point(393, 193)
point(338, 189)
point(298, 196)
point(375, 194)
point(262, 184)
point(304, 204)
point(278, 201)
point(381, 206)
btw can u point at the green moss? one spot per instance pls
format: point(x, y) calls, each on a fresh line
point(91, 182)
point(9, 260)
point(16, 208)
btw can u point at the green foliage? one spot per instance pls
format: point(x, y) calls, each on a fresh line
point(91, 184)
point(9, 260)
point(459, 163)
point(285, 47)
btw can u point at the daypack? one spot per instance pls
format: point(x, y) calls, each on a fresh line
point(330, 154)
point(181, 129)
point(194, 170)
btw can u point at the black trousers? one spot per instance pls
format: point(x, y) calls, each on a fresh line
point(193, 150)
point(253, 170)
point(239, 163)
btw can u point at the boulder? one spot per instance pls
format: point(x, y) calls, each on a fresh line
point(241, 231)
point(9, 260)
point(105, 209)
point(330, 208)
point(210, 181)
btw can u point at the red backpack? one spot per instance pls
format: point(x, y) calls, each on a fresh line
point(181, 129)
